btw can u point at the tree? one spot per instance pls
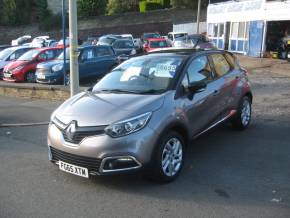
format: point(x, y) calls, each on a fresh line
point(121, 6)
point(88, 8)
point(12, 12)
point(188, 3)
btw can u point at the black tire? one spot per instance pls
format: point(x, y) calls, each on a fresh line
point(30, 77)
point(156, 171)
point(288, 55)
point(239, 121)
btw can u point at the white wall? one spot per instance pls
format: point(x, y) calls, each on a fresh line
point(190, 28)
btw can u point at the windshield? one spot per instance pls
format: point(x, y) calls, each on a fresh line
point(151, 35)
point(29, 56)
point(106, 40)
point(60, 57)
point(141, 75)
point(6, 53)
point(158, 44)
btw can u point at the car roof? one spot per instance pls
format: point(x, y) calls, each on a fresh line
point(95, 46)
point(184, 51)
point(47, 48)
point(177, 33)
point(156, 39)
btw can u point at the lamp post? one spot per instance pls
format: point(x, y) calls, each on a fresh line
point(198, 16)
point(63, 39)
point(74, 53)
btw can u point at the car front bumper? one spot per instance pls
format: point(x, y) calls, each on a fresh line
point(49, 78)
point(102, 154)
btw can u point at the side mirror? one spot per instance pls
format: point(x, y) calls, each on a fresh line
point(198, 86)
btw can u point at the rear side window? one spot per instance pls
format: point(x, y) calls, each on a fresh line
point(232, 61)
point(221, 65)
point(103, 51)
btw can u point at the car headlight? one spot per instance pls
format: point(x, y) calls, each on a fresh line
point(133, 52)
point(17, 69)
point(128, 126)
point(58, 67)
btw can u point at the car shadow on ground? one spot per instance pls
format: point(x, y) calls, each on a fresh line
point(222, 163)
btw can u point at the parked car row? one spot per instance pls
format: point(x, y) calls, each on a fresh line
point(41, 60)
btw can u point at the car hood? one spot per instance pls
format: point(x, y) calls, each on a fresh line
point(97, 109)
point(15, 64)
point(49, 64)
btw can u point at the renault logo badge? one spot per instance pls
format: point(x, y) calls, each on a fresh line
point(71, 129)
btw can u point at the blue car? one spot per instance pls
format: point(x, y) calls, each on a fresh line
point(94, 63)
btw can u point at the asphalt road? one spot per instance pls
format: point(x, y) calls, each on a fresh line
point(227, 173)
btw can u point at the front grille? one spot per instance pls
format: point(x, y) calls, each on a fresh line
point(80, 134)
point(92, 164)
point(42, 70)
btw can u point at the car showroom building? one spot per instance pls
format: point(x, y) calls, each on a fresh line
point(248, 27)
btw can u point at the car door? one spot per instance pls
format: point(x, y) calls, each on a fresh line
point(105, 61)
point(225, 78)
point(200, 110)
point(87, 62)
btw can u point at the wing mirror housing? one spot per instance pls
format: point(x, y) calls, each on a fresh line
point(196, 87)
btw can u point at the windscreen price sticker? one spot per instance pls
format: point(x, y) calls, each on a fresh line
point(164, 70)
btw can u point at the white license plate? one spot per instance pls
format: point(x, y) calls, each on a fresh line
point(73, 169)
point(41, 76)
point(7, 75)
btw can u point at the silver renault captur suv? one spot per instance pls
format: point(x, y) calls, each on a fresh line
point(142, 114)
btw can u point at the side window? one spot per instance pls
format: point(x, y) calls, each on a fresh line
point(50, 54)
point(104, 52)
point(43, 56)
point(199, 69)
point(88, 54)
point(221, 65)
point(170, 36)
point(231, 59)
point(12, 57)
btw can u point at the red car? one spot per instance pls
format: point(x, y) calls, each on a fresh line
point(23, 69)
point(155, 43)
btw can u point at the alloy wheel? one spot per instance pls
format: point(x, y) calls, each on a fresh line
point(172, 157)
point(246, 113)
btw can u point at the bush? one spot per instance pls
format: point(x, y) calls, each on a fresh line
point(12, 12)
point(51, 22)
point(88, 8)
point(121, 6)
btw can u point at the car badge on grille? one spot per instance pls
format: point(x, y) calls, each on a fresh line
point(71, 129)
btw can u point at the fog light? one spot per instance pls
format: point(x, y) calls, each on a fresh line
point(119, 164)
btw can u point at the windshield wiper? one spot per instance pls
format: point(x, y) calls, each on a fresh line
point(152, 91)
point(118, 91)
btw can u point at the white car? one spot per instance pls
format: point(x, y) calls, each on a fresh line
point(174, 35)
